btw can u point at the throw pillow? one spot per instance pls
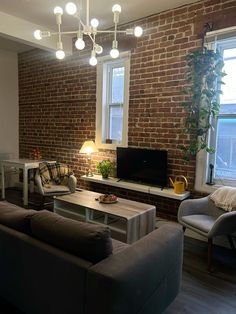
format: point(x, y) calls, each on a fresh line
point(63, 170)
point(44, 173)
point(88, 241)
point(225, 197)
point(54, 173)
point(16, 217)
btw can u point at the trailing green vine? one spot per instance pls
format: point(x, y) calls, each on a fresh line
point(204, 76)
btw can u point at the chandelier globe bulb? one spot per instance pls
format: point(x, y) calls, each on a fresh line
point(60, 54)
point(94, 23)
point(80, 44)
point(93, 61)
point(58, 10)
point(98, 49)
point(138, 31)
point(37, 34)
point(114, 53)
point(71, 8)
point(116, 8)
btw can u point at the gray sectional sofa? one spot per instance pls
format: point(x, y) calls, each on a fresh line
point(54, 265)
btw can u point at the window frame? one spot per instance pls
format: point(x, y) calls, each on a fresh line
point(203, 159)
point(102, 94)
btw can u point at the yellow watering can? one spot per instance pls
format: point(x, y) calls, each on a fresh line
point(179, 186)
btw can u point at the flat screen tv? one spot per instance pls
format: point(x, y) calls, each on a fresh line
point(142, 165)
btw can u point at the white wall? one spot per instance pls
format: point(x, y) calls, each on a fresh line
point(9, 111)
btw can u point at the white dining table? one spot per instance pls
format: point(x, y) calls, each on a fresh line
point(27, 165)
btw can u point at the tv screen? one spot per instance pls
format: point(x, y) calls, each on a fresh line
point(142, 165)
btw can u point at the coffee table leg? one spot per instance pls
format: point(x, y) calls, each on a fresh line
point(106, 219)
point(87, 214)
point(128, 232)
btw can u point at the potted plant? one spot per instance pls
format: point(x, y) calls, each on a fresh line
point(105, 167)
point(204, 78)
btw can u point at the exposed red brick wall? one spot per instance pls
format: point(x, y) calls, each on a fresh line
point(58, 98)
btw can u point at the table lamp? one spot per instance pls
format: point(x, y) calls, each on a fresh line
point(88, 148)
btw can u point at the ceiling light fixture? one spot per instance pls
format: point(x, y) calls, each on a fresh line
point(90, 28)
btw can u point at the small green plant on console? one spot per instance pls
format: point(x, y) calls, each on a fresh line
point(204, 76)
point(105, 167)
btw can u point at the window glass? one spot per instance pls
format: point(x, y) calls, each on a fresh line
point(225, 156)
point(118, 85)
point(226, 149)
point(116, 119)
point(115, 107)
point(229, 88)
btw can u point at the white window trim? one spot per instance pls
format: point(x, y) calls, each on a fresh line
point(202, 158)
point(201, 174)
point(99, 101)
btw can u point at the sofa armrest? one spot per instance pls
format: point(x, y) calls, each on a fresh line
point(145, 275)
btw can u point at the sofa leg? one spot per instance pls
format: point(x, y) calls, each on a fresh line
point(231, 242)
point(210, 252)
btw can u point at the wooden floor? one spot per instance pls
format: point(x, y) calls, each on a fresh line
point(201, 292)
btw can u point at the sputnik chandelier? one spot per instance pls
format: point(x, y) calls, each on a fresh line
point(90, 28)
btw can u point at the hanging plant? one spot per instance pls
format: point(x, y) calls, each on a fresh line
point(204, 76)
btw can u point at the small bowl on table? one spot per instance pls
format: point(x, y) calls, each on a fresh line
point(107, 198)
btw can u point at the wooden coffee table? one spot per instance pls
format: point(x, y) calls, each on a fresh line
point(128, 220)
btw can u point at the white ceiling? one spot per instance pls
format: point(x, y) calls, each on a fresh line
point(41, 11)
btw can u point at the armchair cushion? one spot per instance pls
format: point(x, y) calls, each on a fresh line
point(54, 189)
point(201, 222)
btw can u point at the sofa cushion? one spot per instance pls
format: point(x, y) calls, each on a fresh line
point(16, 217)
point(87, 241)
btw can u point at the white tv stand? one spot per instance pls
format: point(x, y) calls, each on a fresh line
point(166, 192)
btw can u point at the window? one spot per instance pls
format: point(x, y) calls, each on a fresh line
point(225, 156)
point(223, 137)
point(112, 102)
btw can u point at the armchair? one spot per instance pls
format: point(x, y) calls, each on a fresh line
point(51, 182)
point(202, 216)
